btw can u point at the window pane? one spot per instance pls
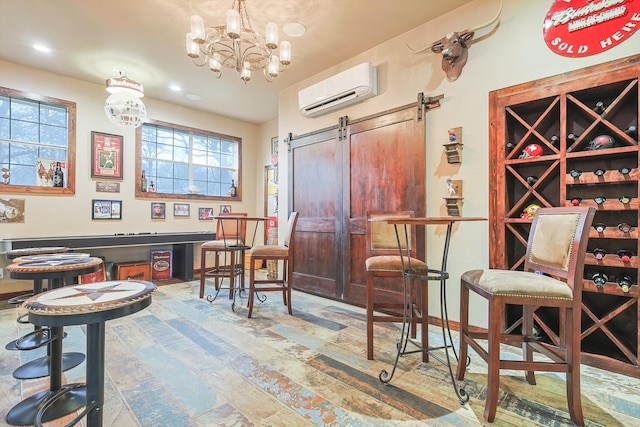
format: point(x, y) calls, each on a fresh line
point(53, 115)
point(24, 131)
point(22, 109)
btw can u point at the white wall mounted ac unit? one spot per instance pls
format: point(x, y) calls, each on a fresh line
point(348, 87)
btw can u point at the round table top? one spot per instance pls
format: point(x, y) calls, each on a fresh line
point(47, 256)
point(15, 253)
point(89, 303)
point(53, 262)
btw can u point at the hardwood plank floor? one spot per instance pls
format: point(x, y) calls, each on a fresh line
point(186, 362)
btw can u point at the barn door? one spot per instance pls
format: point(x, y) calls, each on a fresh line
point(337, 175)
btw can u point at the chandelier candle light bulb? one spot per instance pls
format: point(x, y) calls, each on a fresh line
point(236, 45)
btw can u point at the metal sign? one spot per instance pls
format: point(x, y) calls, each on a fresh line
point(580, 28)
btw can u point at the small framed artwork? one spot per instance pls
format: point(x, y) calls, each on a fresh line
point(205, 214)
point(106, 155)
point(181, 209)
point(274, 145)
point(225, 209)
point(106, 209)
point(157, 210)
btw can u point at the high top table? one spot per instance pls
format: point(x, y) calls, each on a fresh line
point(56, 269)
point(425, 275)
point(91, 304)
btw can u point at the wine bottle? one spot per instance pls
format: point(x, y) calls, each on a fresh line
point(58, 176)
point(599, 172)
point(576, 201)
point(624, 227)
point(624, 255)
point(600, 227)
point(232, 189)
point(572, 137)
point(510, 146)
point(599, 107)
point(600, 199)
point(599, 253)
point(625, 200)
point(152, 187)
point(575, 173)
point(600, 279)
point(143, 182)
point(625, 282)
point(555, 140)
point(625, 170)
point(632, 131)
point(532, 179)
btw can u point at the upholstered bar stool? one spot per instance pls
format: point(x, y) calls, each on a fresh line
point(91, 304)
point(38, 336)
point(57, 269)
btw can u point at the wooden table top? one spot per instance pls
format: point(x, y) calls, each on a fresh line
point(241, 217)
point(428, 220)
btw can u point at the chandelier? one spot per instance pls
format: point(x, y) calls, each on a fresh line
point(124, 106)
point(237, 45)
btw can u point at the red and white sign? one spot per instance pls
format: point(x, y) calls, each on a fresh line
point(580, 28)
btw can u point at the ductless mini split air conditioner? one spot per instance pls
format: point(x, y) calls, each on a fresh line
point(348, 87)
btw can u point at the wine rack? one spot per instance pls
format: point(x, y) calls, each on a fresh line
point(566, 140)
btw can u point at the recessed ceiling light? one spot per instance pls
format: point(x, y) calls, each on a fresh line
point(193, 97)
point(294, 29)
point(175, 88)
point(42, 48)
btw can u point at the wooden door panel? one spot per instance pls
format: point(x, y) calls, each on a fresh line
point(315, 197)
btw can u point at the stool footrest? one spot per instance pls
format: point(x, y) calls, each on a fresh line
point(20, 298)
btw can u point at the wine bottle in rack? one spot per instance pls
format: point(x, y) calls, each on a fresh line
point(599, 172)
point(599, 107)
point(625, 282)
point(531, 179)
point(575, 173)
point(600, 199)
point(625, 170)
point(599, 253)
point(624, 255)
point(576, 201)
point(600, 227)
point(600, 279)
point(555, 140)
point(572, 137)
point(510, 145)
point(625, 200)
point(624, 227)
point(632, 131)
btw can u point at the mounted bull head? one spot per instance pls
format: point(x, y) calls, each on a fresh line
point(454, 48)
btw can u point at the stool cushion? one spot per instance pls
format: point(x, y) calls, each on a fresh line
point(518, 283)
point(391, 263)
point(221, 244)
point(270, 251)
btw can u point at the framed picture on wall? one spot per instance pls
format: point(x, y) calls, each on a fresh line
point(106, 209)
point(181, 209)
point(225, 209)
point(205, 214)
point(157, 210)
point(106, 156)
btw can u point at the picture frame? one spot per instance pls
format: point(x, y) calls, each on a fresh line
point(225, 209)
point(205, 214)
point(274, 145)
point(181, 209)
point(106, 209)
point(106, 155)
point(158, 210)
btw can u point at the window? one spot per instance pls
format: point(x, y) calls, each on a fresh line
point(36, 135)
point(184, 162)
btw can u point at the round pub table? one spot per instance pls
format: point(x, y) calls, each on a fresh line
point(91, 304)
point(57, 269)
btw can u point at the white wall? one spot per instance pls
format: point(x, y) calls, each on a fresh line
point(47, 216)
point(515, 52)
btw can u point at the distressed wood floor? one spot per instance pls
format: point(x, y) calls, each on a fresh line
point(186, 362)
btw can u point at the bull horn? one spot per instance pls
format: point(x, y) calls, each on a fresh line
point(412, 50)
point(492, 21)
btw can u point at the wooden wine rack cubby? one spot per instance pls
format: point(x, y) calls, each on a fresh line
point(559, 114)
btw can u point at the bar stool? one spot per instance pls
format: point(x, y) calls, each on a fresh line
point(91, 304)
point(230, 235)
point(56, 269)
